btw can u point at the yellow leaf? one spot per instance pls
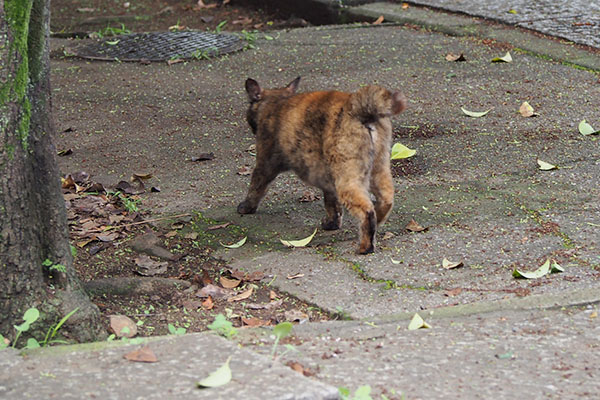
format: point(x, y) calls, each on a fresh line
point(506, 58)
point(544, 166)
point(299, 243)
point(235, 245)
point(400, 151)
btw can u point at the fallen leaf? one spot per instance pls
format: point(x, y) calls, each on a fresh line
point(455, 57)
point(449, 265)
point(378, 21)
point(85, 9)
point(214, 227)
point(206, 18)
point(475, 114)
point(229, 283)
point(388, 235)
point(213, 291)
point(452, 292)
point(242, 296)
point(299, 243)
point(109, 237)
point(208, 304)
point(247, 276)
point(555, 268)
point(544, 166)
point(174, 61)
point(145, 354)
point(400, 151)
point(66, 152)
point(142, 175)
point(255, 322)
point(405, 6)
point(417, 323)
point(177, 225)
point(290, 277)
point(235, 245)
point(526, 110)
point(242, 21)
point(150, 267)
point(594, 314)
point(245, 170)
point(506, 58)
point(272, 295)
point(586, 129)
point(265, 306)
point(203, 157)
point(220, 377)
point(395, 261)
point(170, 234)
point(123, 326)
point(296, 366)
point(413, 226)
point(538, 273)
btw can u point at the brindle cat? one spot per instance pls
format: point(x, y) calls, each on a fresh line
point(338, 142)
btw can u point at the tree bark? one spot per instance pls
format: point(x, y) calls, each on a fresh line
point(33, 223)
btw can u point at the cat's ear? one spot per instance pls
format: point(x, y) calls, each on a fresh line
point(293, 85)
point(253, 89)
point(398, 103)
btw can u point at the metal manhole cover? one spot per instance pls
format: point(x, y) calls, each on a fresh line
point(160, 46)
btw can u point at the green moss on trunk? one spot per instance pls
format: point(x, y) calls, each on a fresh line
point(17, 14)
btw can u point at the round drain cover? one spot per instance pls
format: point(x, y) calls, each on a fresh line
point(160, 46)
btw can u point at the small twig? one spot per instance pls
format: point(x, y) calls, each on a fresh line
point(108, 228)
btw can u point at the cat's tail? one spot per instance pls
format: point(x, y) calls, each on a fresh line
point(371, 103)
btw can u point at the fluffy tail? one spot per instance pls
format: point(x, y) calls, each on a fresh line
point(371, 103)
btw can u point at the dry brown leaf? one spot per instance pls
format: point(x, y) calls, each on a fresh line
point(242, 296)
point(272, 295)
point(242, 20)
point(174, 61)
point(455, 57)
point(123, 326)
point(228, 283)
point(295, 276)
point(449, 264)
point(214, 227)
point(452, 292)
point(405, 6)
point(214, 291)
point(265, 306)
point(150, 267)
point(245, 170)
point(247, 276)
point(526, 110)
point(145, 354)
point(255, 322)
point(296, 366)
point(109, 237)
point(378, 20)
point(142, 175)
point(414, 226)
point(208, 304)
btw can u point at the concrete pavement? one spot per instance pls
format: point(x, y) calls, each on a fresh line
point(474, 183)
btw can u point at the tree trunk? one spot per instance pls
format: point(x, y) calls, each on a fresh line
point(33, 223)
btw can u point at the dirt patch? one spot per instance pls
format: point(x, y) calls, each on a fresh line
point(160, 271)
point(171, 278)
point(91, 16)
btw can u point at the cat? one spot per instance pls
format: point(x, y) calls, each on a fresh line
point(339, 142)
